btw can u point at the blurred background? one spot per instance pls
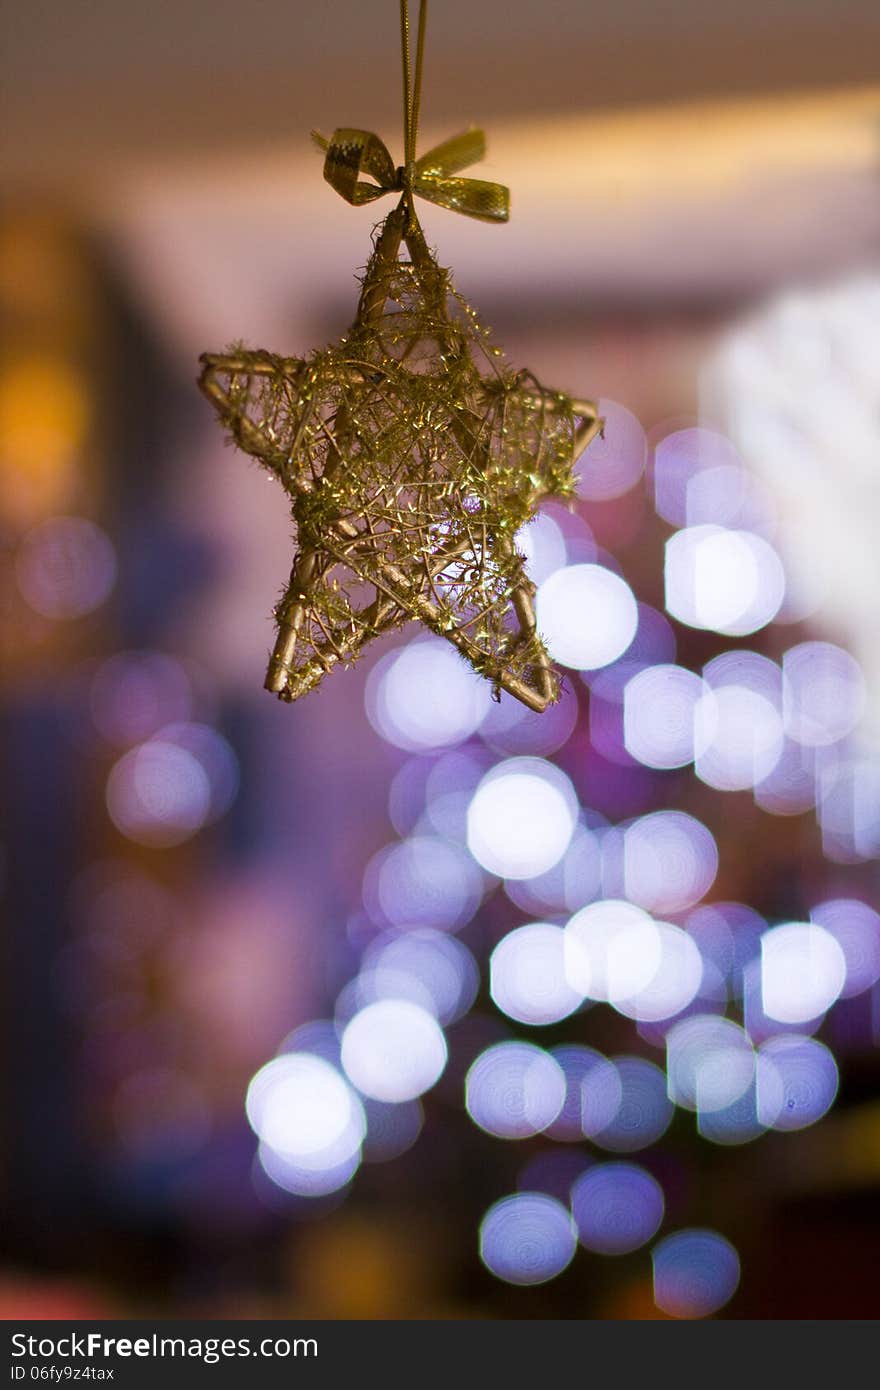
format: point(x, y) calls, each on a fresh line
point(398, 1002)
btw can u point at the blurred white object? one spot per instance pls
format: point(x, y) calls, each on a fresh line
point(797, 389)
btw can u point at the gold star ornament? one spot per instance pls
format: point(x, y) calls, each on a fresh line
point(411, 453)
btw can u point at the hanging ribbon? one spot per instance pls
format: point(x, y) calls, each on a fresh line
point(351, 153)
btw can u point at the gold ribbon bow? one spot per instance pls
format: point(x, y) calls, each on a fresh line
point(350, 153)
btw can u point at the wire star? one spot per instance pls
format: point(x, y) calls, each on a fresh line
point(409, 474)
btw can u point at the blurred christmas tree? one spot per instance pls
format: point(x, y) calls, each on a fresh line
point(673, 864)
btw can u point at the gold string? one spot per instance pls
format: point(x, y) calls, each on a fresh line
point(405, 63)
point(412, 93)
point(417, 84)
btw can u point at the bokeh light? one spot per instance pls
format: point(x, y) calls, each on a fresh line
point(424, 696)
point(65, 567)
point(407, 794)
point(302, 1181)
point(729, 496)
point(606, 718)
point(593, 1093)
point(670, 861)
point(797, 1082)
point(587, 616)
point(659, 715)
point(746, 669)
point(393, 1050)
point(737, 1123)
point(581, 867)
point(158, 794)
point(542, 545)
point(790, 787)
point(527, 978)
point(428, 967)
point(730, 582)
point(695, 1273)
point(654, 643)
point(511, 728)
point(728, 934)
point(573, 881)
point(679, 459)
point(709, 930)
point(45, 409)
point(514, 1090)
point(521, 818)
point(527, 1238)
point(710, 1063)
point(617, 1207)
point(448, 786)
point(740, 737)
point(615, 460)
point(823, 693)
point(216, 757)
point(758, 1024)
point(424, 881)
point(612, 950)
point(803, 971)
point(319, 1037)
point(645, 1111)
point(856, 928)
point(304, 1112)
point(675, 982)
point(849, 810)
